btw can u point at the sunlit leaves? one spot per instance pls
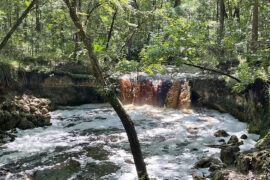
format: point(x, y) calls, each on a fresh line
point(27, 3)
point(97, 47)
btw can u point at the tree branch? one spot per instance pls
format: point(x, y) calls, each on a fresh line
point(89, 12)
point(213, 70)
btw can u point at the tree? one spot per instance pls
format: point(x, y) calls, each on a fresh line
point(15, 26)
point(110, 95)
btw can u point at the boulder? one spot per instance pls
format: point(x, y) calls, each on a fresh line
point(44, 111)
point(206, 162)
point(24, 108)
point(216, 166)
point(33, 109)
point(228, 153)
point(243, 163)
point(244, 136)
point(233, 140)
point(221, 140)
point(221, 133)
point(220, 175)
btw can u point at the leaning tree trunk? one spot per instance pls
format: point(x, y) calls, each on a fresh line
point(110, 95)
point(16, 25)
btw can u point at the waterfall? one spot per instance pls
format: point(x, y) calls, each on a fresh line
point(163, 93)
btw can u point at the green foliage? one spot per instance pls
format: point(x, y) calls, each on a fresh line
point(153, 33)
point(247, 75)
point(125, 66)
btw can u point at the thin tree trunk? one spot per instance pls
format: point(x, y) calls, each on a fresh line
point(37, 26)
point(222, 16)
point(110, 95)
point(176, 3)
point(255, 25)
point(19, 21)
point(237, 14)
point(111, 29)
point(230, 9)
point(217, 10)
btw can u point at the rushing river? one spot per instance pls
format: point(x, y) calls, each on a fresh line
point(89, 142)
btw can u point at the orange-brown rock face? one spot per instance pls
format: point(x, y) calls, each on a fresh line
point(173, 95)
point(127, 91)
point(184, 98)
point(143, 93)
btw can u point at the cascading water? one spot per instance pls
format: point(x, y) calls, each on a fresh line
point(159, 93)
point(89, 142)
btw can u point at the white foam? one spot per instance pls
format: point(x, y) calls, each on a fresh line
point(173, 140)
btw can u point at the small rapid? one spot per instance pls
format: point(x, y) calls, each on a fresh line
point(89, 142)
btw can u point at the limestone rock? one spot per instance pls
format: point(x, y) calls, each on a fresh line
point(221, 175)
point(243, 163)
point(221, 133)
point(25, 108)
point(33, 109)
point(216, 166)
point(228, 153)
point(44, 111)
point(233, 140)
point(206, 162)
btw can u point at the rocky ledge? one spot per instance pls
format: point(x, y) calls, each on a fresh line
point(24, 112)
point(253, 164)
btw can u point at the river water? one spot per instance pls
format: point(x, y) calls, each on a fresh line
point(89, 142)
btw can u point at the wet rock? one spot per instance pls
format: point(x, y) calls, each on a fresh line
point(233, 140)
point(59, 171)
point(228, 153)
point(220, 175)
point(216, 166)
point(221, 133)
point(70, 125)
point(100, 118)
point(221, 140)
point(98, 153)
point(264, 143)
point(244, 136)
point(129, 161)
point(197, 177)
point(243, 163)
point(25, 124)
point(206, 162)
point(100, 170)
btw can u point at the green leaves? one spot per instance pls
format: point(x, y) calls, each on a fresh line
point(97, 47)
point(27, 3)
point(2, 13)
